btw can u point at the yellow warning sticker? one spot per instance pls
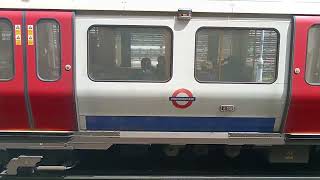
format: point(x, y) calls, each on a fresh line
point(18, 39)
point(30, 29)
point(30, 35)
point(30, 40)
point(17, 29)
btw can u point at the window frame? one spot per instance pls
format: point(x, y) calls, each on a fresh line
point(237, 28)
point(13, 50)
point(132, 26)
point(306, 56)
point(36, 49)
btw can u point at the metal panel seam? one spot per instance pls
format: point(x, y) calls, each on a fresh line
point(25, 66)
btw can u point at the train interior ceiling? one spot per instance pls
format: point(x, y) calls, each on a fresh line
point(94, 80)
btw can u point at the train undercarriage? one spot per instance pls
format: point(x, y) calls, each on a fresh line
point(61, 152)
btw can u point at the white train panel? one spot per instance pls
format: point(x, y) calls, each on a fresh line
point(109, 105)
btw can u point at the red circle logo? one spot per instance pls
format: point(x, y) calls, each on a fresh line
point(182, 98)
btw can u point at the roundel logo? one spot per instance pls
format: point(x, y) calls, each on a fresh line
point(182, 98)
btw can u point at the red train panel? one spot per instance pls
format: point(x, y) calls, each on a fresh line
point(13, 111)
point(52, 100)
point(304, 110)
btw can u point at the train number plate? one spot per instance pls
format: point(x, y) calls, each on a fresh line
point(227, 108)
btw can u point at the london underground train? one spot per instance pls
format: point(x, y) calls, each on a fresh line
point(92, 74)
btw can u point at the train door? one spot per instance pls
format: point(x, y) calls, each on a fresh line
point(13, 112)
point(303, 116)
point(50, 70)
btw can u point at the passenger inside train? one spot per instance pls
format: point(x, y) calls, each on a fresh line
point(147, 71)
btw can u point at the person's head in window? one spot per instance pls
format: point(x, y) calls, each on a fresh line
point(146, 65)
point(160, 70)
point(160, 61)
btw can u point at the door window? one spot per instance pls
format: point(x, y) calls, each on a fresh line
point(312, 75)
point(48, 50)
point(6, 50)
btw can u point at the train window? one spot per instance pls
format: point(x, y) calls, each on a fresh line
point(129, 53)
point(312, 75)
point(236, 55)
point(6, 50)
point(48, 50)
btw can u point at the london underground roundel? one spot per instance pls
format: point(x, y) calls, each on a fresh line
point(182, 98)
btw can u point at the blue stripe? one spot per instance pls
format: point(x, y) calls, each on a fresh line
point(180, 124)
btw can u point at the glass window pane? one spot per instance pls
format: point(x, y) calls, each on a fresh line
point(6, 50)
point(48, 50)
point(236, 55)
point(122, 53)
point(313, 56)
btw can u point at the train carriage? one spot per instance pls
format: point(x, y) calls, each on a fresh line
point(91, 74)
